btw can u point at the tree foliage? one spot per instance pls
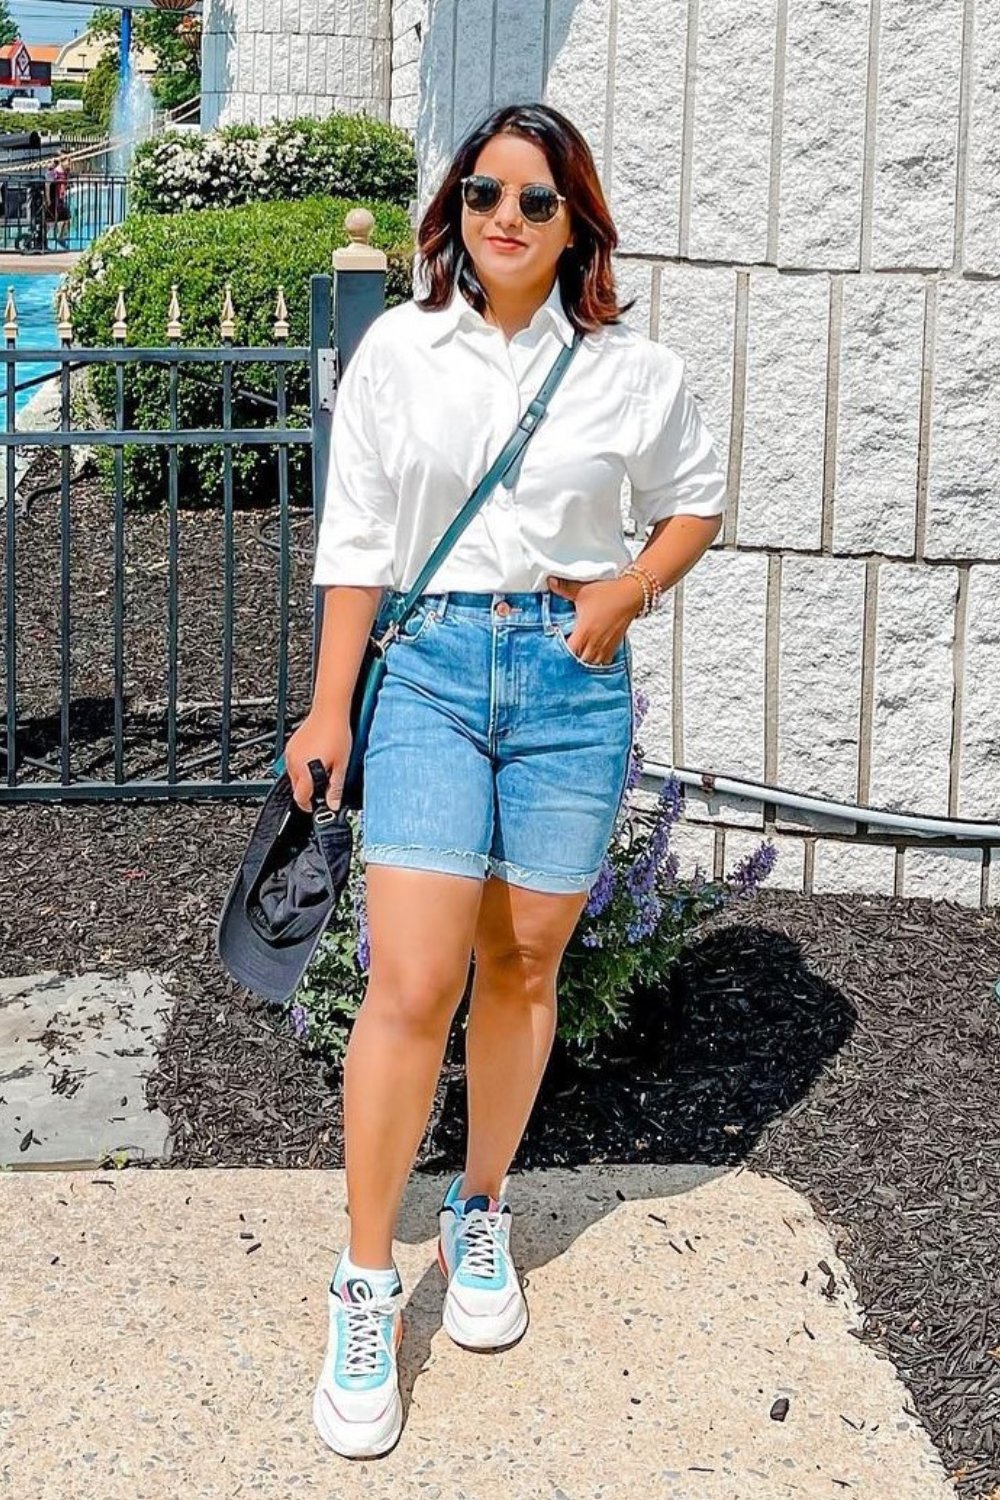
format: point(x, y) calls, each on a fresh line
point(8, 26)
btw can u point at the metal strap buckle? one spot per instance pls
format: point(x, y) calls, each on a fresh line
point(390, 635)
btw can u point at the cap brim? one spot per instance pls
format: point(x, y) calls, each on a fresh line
point(273, 971)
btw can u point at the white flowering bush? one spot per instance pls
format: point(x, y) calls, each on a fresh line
point(343, 156)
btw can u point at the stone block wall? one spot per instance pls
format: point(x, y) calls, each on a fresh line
point(808, 198)
point(265, 60)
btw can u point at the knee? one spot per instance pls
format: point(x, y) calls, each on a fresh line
point(421, 1003)
point(519, 973)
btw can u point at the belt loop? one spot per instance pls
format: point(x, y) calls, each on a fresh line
point(442, 605)
point(546, 612)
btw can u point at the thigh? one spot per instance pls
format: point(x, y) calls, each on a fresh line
point(421, 925)
point(522, 932)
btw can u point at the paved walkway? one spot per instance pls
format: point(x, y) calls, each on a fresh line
point(49, 263)
point(164, 1329)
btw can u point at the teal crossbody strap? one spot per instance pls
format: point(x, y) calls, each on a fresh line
point(508, 456)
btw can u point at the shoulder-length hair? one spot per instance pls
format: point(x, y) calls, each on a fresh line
point(586, 278)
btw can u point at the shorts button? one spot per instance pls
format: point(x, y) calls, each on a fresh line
point(503, 608)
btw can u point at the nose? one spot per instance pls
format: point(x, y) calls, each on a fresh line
point(508, 211)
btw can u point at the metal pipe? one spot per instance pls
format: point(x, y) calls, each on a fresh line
point(708, 781)
point(124, 49)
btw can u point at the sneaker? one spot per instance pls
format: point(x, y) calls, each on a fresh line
point(484, 1306)
point(357, 1407)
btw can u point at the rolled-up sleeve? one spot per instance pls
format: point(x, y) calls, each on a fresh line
point(677, 469)
point(354, 544)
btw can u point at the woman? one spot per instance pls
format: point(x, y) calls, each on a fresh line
point(57, 202)
point(500, 744)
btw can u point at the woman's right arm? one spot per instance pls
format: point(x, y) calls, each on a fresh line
point(355, 540)
point(348, 615)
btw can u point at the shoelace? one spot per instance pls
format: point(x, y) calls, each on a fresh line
point(481, 1232)
point(365, 1333)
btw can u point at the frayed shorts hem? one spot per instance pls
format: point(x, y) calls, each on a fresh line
point(479, 866)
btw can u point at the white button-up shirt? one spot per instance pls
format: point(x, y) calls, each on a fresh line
point(428, 401)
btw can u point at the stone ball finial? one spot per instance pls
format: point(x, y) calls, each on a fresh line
point(359, 254)
point(359, 223)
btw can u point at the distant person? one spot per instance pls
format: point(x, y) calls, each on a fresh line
point(57, 203)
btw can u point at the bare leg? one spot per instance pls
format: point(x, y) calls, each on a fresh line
point(520, 939)
point(420, 930)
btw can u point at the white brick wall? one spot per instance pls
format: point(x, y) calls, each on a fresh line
point(784, 185)
point(809, 214)
point(277, 59)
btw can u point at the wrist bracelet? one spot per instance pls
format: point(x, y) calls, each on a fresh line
point(652, 588)
point(646, 592)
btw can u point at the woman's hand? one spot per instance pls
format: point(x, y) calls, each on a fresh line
point(325, 737)
point(605, 608)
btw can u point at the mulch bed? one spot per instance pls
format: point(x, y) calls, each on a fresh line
point(846, 1045)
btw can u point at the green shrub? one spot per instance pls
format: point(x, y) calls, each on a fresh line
point(345, 155)
point(255, 248)
point(66, 88)
point(638, 918)
point(101, 87)
point(48, 123)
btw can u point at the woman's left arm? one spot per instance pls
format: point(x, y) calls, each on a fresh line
point(674, 546)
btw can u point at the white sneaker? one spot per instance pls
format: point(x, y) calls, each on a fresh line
point(357, 1407)
point(484, 1306)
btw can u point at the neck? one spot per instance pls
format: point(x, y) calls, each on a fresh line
point(512, 308)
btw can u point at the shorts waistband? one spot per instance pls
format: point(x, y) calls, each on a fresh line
point(512, 606)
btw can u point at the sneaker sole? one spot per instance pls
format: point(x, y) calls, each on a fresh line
point(484, 1346)
point(378, 1440)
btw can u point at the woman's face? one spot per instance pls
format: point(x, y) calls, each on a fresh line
point(515, 162)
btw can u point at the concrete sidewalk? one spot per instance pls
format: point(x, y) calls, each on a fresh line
point(164, 1330)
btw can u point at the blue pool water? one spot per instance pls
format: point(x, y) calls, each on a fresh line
point(34, 295)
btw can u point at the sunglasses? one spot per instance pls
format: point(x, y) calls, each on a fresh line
point(538, 202)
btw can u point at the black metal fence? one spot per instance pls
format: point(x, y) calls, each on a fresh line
point(32, 222)
point(65, 742)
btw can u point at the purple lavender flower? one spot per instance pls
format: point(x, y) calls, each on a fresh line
point(640, 701)
point(751, 870)
point(602, 890)
point(592, 939)
point(300, 1020)
point(362, 954)
point(648, 911)
point(670, 799)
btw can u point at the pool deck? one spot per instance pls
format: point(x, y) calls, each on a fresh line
point(56, 264)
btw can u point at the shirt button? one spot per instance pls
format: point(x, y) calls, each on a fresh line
point(503, 608)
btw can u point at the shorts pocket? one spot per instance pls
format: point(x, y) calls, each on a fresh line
point(562, 632)
point(417, 624)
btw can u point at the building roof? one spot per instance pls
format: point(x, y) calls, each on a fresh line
point(37, 51)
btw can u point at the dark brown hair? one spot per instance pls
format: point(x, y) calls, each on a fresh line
point(586, 278)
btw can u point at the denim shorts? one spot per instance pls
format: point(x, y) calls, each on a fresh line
point(493, 749)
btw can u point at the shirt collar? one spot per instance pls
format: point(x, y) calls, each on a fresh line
point(459, 313)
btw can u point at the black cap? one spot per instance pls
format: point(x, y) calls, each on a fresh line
point(285, 890)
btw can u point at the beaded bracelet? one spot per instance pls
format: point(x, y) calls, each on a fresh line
point(652, 588)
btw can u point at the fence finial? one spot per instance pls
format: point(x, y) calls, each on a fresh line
point(64, 323)
point(10, 317)
point(281, 316)
point(174, 315)
point(360, 254)
point(228, 324)
point(118, 328)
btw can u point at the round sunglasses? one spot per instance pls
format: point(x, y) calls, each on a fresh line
point(538, 202)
